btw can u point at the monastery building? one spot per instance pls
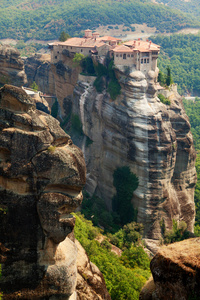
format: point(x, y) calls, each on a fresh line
point(141, 55)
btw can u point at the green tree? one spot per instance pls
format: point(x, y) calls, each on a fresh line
point(168, 78)
point(64, 36)
point(34, 86)
point(78, 58)
point(125, 183)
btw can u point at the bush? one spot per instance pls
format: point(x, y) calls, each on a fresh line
point(76, 124)
point(99, 84)
point(114, 89)
point(88, 66)
point(164, 100)
point(54, 109)
point(78, 58)
point(178, 233)
point(34, 86)
point(122, 282)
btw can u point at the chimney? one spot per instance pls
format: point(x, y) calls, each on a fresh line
point(149, 44)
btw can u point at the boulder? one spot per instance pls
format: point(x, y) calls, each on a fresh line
point(41, 179)
point(176, 272)
point(11, 66)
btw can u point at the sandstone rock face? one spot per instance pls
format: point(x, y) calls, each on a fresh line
point(176, 272)
point(153, 139)
point(11, 66)
point(55, 79)
point(90, 281)
point(41, 177)
point(38, 69)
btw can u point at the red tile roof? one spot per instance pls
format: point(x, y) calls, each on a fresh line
point(123, 48)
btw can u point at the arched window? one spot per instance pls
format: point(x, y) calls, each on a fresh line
point(124, 56)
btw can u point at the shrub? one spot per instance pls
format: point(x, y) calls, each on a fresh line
point(164, 100)
point(122, 282)
point(54, 109)
point(34, 86)
point(114, 89)
point(88, 66)
point(99, 84)
point(76, 124)
point(178, 233)
point(78, 58)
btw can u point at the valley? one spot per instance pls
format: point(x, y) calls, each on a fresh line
point(99, 150)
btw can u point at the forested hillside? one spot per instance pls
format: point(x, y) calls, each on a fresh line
point(182, 54)
point(45, 19)
point(192, 6)
point(193, 111)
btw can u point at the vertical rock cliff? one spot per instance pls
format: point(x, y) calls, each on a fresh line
point(11, 66)
point(41, 179)
point(153, 139)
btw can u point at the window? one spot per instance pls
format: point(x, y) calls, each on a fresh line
point(124, 56)
point(145, 61)
point(81, 50)
point(55, 57)
point(57, 51)
point(148, 60)
point(89, 51)
point(120, 55)
point(71, 47)
point(142, 61)
point(131, 55)
point(116, 55)
point(128, 55)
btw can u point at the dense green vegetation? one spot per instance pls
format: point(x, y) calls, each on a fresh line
point(163, 99)
point(178, 232)
point(96, 210)
point(193, 111)
point(106, 79)
point(125, 275)
point(125, 183)
point(28, 49)
point(192, 6)
point(182, 54)
point(54, 109)
point(44, 19)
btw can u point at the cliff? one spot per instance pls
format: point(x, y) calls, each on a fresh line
point(38, 69)
point(11, 66)
point(41, 179)
point(175, 269)
point(153, 139)
point(55, 79)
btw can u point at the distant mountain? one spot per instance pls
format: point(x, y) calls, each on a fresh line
point(188, 6)
point(45, 19)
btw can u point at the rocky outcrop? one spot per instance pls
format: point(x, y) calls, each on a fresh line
point(41, 177)
point(55, 79)
point(38, 69)
point(153, 139)
point(176, 272)
point(90, 281)
point(11, 66)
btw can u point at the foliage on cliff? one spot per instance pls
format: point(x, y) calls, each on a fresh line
point(193, 111)
point(182, 54)
point(125, 275)
point(106, 78)
point(43, 19)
